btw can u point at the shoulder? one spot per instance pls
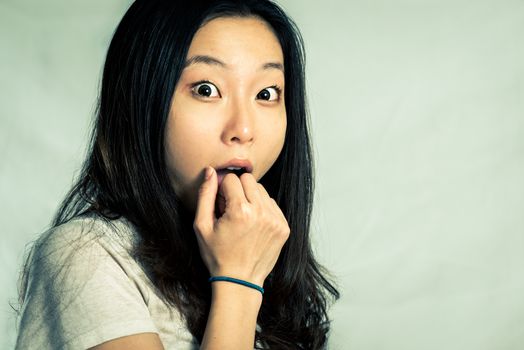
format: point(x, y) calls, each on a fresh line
point(73, 253)
point(81, 238)
point(80, 271)
point(87, 231)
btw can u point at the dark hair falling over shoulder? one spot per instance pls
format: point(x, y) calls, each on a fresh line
point(125, 172)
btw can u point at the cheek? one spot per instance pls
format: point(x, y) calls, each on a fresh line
point(281, 137)
point(184, 142)
point(174, 156)
point(275, 137)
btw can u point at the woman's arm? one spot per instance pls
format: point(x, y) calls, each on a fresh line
point(231, 323)
point(232, 318)
point(150, 341)
point(244, 243)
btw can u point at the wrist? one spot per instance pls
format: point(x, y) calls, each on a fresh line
point(232, 319)
point(237, 294)
point(237, 281)
point(241, 275)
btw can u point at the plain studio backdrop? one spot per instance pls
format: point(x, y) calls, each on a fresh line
point(417, 114)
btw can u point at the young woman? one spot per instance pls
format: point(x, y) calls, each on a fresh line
point(189, 225)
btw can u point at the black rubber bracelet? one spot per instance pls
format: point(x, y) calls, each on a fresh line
point(237, 281)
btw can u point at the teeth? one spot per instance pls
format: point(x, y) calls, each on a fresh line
point(233, 168)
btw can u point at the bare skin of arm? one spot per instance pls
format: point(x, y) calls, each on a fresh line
point(132, 342)
point(243, 243)
point(234, 311)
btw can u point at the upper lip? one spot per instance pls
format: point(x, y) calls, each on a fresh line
point(237, 163)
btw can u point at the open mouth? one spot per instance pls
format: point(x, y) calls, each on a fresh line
point(235, 170)
point(230, 170)
point(220, 200)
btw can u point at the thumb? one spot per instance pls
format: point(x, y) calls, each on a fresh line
point(205, 208)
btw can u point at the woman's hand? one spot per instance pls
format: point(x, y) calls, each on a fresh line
point(246, 240)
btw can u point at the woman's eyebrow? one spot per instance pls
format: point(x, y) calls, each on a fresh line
point(204, 59)
point(212, 61)
point(273, 65)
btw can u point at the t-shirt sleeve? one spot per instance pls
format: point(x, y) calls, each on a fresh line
point(79, 293)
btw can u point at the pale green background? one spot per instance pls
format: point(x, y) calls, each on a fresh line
point(418, 121)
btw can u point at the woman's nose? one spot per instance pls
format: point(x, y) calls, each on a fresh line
point(239, 125)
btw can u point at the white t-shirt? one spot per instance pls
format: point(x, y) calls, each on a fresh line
point(84, 288)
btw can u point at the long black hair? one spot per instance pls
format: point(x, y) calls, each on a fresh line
point(125, 173)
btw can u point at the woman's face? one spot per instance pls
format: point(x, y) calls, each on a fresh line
point(228, 104)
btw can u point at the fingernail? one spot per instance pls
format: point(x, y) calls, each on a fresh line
point(209, 172)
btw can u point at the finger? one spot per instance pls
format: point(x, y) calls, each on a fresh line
point(264, 196)
point(270, 202)
point(277, 209)
point(231, 189)
point(262, 191)
point(251, 188)
point(205, 208)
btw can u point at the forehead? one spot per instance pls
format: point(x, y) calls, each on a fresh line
point(237, 41)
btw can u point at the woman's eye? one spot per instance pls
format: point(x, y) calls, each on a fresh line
point(205, 89)
point(269, 94)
